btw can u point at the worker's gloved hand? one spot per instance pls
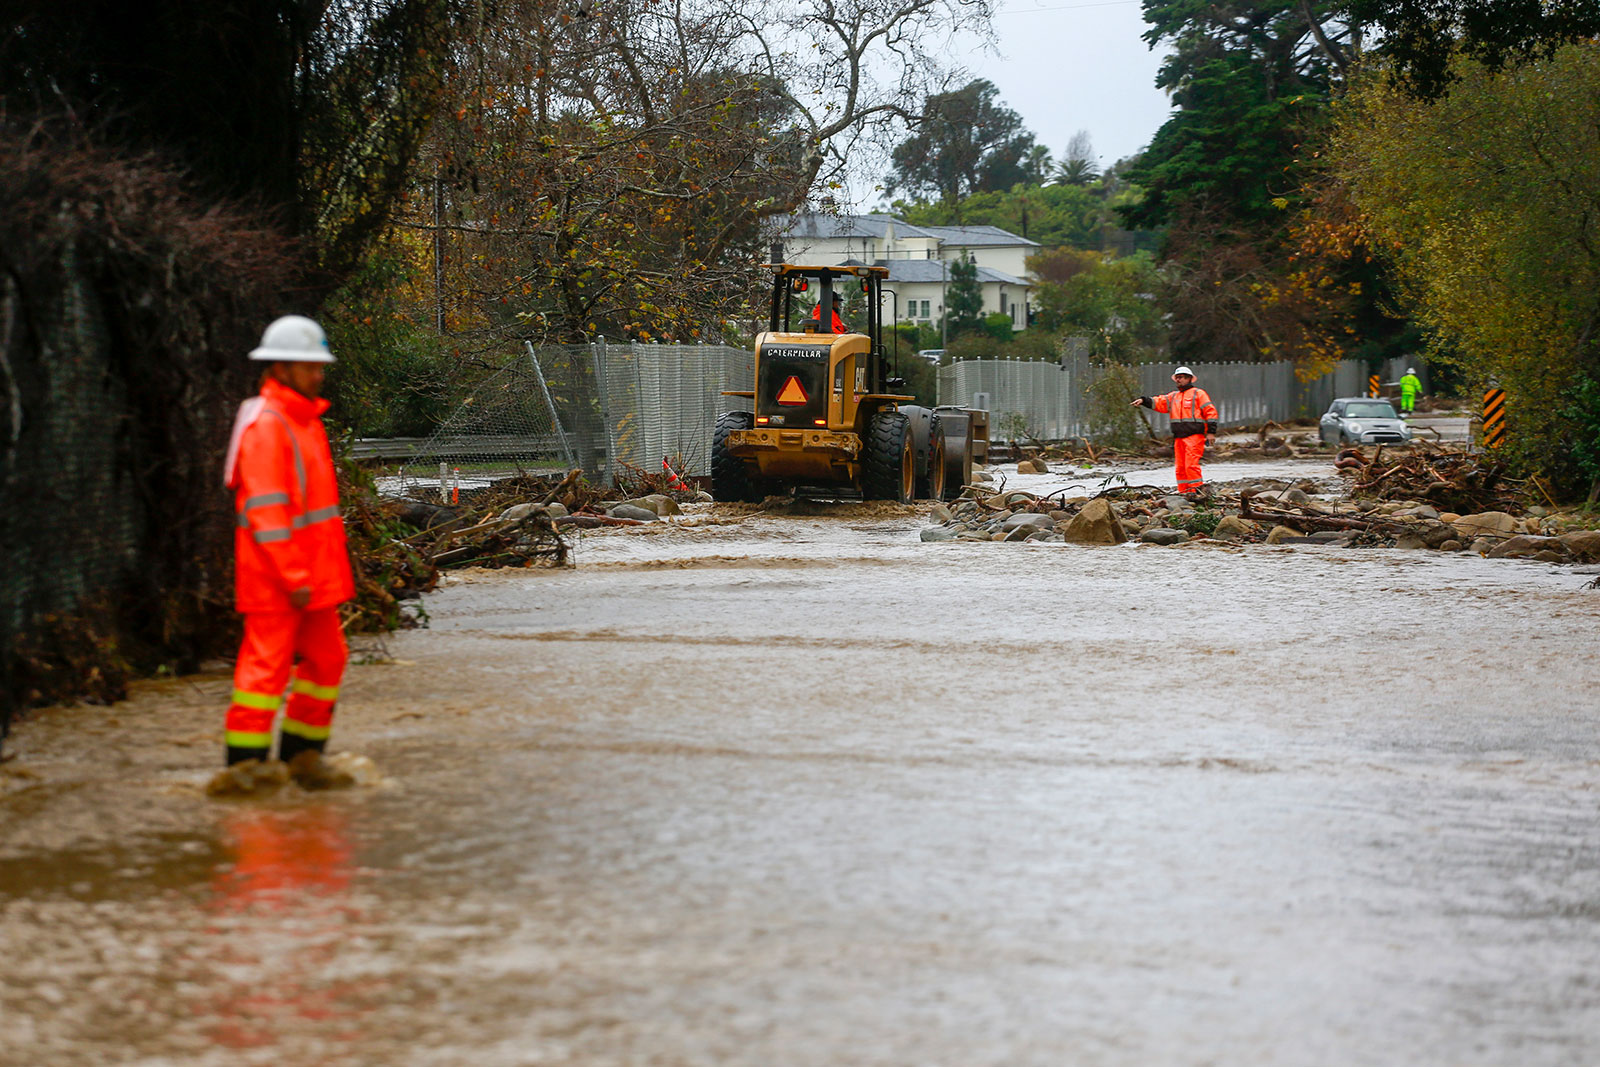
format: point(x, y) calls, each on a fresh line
point(299, 598)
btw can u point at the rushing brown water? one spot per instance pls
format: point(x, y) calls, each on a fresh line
point(803, 790)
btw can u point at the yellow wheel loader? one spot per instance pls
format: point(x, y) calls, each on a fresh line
point(828, 420)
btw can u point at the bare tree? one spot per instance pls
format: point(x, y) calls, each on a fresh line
point(1079, 165)
point(606, 170)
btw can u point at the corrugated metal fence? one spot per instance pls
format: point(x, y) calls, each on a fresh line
point(1052, 400)
point(604, 407)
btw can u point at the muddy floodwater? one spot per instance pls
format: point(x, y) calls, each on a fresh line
point(796, 788)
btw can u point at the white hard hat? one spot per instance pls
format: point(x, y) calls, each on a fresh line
point(1183, 370)
point(1411, 370)
point(293, 339)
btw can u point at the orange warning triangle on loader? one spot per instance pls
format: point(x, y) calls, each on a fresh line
point(793, 394)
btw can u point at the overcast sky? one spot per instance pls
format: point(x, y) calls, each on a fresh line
point(1069, 65)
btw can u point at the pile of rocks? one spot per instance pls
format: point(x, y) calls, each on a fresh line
point(1018, 515)
point(1267, 513)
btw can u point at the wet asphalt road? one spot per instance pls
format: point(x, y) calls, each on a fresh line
point(806, 791)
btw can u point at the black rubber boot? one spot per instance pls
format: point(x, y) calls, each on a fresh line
point(239, 755)
point(291, 745)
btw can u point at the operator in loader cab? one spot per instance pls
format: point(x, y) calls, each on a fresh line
point(838, 323)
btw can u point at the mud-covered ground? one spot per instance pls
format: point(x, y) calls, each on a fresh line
point(792, 787)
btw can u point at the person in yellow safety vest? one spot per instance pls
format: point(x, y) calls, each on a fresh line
point(292, 570)
point(838, 323)
point(1410, 386)
point(1194, 425)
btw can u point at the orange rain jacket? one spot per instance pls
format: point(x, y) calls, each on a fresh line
point(1191, 409)
point(288, 533)
point(838, 323)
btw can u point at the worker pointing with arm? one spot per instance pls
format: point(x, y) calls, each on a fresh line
point(1194, 425)
point(292, 570)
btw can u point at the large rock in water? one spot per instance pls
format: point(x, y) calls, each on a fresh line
point(1163, 535)
point(1028, 518)
point(1232, 528)
point(662, 504)
point(1583, 544)
point(1525, 546)
point(1487, 524)
point(1096, 524)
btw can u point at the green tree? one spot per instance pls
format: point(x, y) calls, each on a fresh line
point(1259, 261)
point(1111, 302)
point(1487, 204)
point(1422, 37)
point(394, 376)
point(1248, 81)
point(965, 142)
point(963, 301)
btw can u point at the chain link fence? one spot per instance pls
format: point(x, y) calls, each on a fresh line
point(600, 406)
point(1052, 402)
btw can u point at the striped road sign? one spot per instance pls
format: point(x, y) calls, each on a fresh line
point(1494, 418)
point(1372, 386)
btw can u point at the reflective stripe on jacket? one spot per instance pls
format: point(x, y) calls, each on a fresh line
point(288, 533)
point(1191, 409)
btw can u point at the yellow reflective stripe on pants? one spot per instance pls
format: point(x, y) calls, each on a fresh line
point(314, 691)
point(240, 739)
point(264, 701)
point(310, 733)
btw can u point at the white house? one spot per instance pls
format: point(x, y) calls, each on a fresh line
point(918, 258)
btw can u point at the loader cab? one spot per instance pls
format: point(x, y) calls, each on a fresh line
point(797, 294)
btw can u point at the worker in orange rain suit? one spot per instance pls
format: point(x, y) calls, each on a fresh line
point(292, 570)
point(1194, 425)
point(838, 323)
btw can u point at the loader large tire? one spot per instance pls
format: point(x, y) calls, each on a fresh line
point(930, 483)
point(890, 465)
point(730, 477)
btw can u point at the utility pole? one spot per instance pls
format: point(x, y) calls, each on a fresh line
point(944, 301)
point(438, 250)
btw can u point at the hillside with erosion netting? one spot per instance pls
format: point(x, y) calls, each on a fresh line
point(126, 311)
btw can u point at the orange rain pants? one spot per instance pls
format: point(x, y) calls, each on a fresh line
point(1186, 453)
point(272, 640)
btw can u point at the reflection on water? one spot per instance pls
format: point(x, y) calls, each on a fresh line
point(281, 910)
